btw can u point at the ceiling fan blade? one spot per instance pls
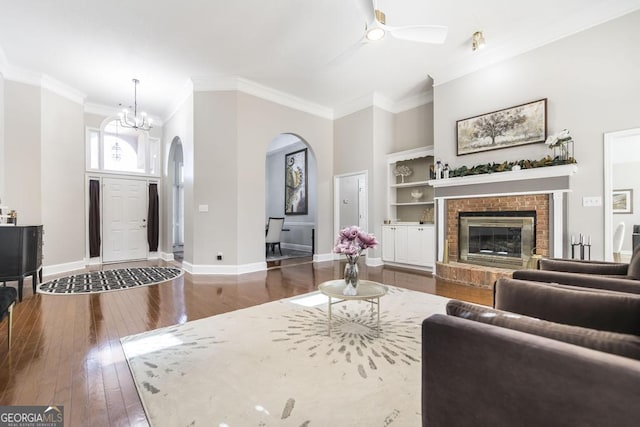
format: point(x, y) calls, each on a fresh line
point(367, 8)
point(420, 33)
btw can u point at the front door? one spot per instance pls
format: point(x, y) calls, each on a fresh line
point(124, 220)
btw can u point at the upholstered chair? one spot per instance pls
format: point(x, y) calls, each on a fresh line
point(274, 229)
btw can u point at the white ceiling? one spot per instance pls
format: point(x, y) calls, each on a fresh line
point(308, 49)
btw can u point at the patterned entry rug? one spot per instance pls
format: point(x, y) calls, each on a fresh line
point(275, 365)
point(109, 280)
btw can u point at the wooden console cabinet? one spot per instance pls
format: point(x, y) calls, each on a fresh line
point(21, 254)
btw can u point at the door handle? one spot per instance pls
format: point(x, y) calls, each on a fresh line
point(143, 226)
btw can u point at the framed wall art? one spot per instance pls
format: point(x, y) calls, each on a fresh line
point(519, 125)
point(295, 183)
point(622, 201)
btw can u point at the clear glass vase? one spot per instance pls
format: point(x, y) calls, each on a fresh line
point(351, 275)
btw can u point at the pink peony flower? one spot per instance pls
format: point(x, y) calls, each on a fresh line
point(351, 241)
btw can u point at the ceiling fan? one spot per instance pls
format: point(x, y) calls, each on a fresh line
point(377, 27)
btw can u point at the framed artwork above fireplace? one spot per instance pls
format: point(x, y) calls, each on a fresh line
point(510, 127)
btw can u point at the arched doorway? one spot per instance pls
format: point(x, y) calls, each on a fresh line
point(175, 175)
point(290, 193)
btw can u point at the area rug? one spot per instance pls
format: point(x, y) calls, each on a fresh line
point(275, 365)
point(109, 280)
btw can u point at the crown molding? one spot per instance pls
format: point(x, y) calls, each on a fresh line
point(206, 84)
point(100, 110)
point(353, 106)
point(413, 102)
point(62, 89)
point(282, 98)
point(184, 94)
point(378, 100)
point(43, 81)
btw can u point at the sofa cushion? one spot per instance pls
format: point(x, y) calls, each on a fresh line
point(634, 264)
point(608, 342)
point(572, 305)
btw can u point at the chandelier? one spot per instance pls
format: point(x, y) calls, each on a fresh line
point(135, 121)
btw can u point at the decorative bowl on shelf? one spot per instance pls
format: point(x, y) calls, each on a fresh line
point(416, 195)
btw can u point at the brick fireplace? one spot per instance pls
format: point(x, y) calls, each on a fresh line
point(530, 202)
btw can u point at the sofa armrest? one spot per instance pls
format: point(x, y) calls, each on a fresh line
point(479, 374)
point(619, 284)
point(586, 267)
point(572, 305)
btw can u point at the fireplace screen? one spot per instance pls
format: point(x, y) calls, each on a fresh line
point(505, 240)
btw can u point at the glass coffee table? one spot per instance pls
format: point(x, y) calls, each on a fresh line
point(367, 291)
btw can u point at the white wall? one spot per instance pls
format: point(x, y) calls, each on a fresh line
point(23, 131)
point(413, 128)
point(63, 166)
point(591, 82)
point(216, 162)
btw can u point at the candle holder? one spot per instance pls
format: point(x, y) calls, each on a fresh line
point(582, 247)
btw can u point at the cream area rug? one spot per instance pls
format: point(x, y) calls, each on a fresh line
point(275, 365)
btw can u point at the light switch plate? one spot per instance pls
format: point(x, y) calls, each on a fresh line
point(203, 208)
point(592, 201)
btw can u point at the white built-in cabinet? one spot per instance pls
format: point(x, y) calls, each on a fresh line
point(409, 244)
point(404, 240)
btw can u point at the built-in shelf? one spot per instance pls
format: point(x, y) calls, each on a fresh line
point(410, 184)
point(401, 205)
point(411, 203)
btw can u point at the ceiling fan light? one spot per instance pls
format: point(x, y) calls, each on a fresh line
point(375, 33)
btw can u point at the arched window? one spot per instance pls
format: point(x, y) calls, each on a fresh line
point(118, 149)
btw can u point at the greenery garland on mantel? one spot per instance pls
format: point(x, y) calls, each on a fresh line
point(507, 166)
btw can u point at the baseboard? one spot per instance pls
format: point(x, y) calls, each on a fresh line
point(223, 269)
point(166, 256)
point(374, 262)
point(410, 266)
point(324, 257)
point(296, 247)
point(48, 270)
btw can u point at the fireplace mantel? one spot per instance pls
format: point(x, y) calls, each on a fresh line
point(523, 174)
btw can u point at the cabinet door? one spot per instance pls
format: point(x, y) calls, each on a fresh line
point(414, 245)
point(401, 244)
point(429, 246)
point(388, 243)
point(420, 245)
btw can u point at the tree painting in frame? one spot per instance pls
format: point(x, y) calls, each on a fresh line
point(295, 183)
point(519, 125)
point(622, 201)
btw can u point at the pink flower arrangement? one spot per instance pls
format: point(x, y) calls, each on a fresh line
point(352, 241)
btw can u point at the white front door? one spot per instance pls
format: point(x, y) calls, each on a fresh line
point(124, 220)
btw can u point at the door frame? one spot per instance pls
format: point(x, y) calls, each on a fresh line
point(99, 176)
point(337, 204)
point(610, 138)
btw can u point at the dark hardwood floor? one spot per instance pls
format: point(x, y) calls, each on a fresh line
point(66, 349)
